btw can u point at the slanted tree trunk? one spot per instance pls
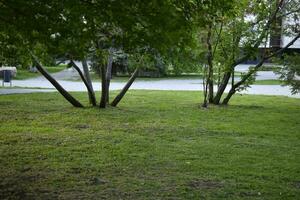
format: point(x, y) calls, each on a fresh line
point(204, 105)
point(231, 92)
point(250, 72)
point(213, 54)
point(59, 88)
point(103, 87)
point(108, 73)
point(205, 85)
point(222, 87)
point(219, 77)
point(87, 85)
point(89, 81)
point(122, 93)
point(210, 78)
point(227, 75)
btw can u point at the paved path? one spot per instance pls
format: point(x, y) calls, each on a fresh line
point(169, 84)
point(188, 85)
point(23, 90)
point(71, 74)
point(261, 75)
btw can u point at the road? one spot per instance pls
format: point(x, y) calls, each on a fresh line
point(169, 84)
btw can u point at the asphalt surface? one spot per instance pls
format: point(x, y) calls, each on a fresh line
point(169, 84)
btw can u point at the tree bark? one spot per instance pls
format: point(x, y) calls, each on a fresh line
point(222, 87)
point(103, 89)
point(204, 105)
point(122, 93)
point(59, 88)
point(108, 73)
point(205, 85)
point(228, 96)
point(227, 75)
point(210, 78)
point(89, 81)
point(87, 85)
point(219, 77)
point(245, 78)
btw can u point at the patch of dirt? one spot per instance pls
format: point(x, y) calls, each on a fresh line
point(16, 188)
point(21, 185)
point(205, 184)
point(249, 194)
point(98, 181)
point(297, 184)
point(82, 126)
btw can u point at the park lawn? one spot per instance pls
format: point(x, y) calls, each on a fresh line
point(268, 82)
point(155, 145)
point(23, 74)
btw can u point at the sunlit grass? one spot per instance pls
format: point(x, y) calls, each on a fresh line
point(155, 145)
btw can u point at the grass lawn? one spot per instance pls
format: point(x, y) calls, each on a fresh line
point(268, 82)
point(26, 74)
point(156, 145)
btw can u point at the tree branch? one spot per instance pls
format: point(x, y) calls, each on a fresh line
point(60, 89)
point(90, 91)
point(264, 59)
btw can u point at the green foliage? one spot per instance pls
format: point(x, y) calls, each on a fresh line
point(183, 60)
point(290, 72)
point(80, 29)
point(250, 81)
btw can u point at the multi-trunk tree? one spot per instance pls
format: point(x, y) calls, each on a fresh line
point(225, 33)
point(76, 30)
point(234, 37)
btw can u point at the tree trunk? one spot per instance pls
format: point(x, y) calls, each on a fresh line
point(59, 88)
point(245, 78)
point(210, 78)
point(232, 78)
point(219, 76)
point(87, 85)
point(108, 73)
point(122, 93)
point(222, 88)
point(227, 75)
point(229, 95)
point(205, 84)
point(204, 105)
point(89, 81)
point(103, 90)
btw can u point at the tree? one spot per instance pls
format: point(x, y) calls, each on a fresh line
point(208, 18)
point(78, 29)
point(234, 37)
point(290, 72)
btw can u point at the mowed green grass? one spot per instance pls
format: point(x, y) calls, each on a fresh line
point(268, 82)
point(155, 145)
